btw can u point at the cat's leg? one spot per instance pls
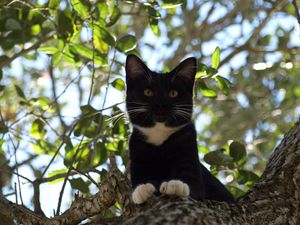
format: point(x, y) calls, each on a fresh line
point(175, 187)
point(142, 192)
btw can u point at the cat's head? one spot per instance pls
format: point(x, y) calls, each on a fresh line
point(159, 97)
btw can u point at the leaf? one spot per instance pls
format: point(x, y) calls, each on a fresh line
point(55, 173)
point(88, 53)
point(12, 24)
point(20, 92)
point(79, 184)
point(167, 4)
point(217, 158)
point(103, 34)
point(2, 87)
point(237, 151)
point(56, 58)
point(118, 84)
point(115, 15)
point(215, 58)
point(154, 26)
point(101, 153)
point(223, 84)
point(201, 70)
point(48, 49)
point(246, 176)
point(38, 130)
point(81, 8)
point(126, 43)
point(152, 12)
point(206, 91)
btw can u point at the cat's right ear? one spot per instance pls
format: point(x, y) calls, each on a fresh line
point(135, 67)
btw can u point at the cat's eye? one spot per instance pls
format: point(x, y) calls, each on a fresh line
point(148, 92)
point(173, 93)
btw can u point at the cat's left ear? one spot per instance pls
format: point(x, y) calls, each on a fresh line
point(186, 70)
point(135, 67)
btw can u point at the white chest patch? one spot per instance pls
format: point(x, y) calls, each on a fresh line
point(157, 134)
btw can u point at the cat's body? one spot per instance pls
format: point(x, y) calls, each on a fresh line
point(163, 148)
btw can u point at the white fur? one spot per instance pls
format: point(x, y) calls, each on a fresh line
point(157, 134)
point(142, 192)
point(175, 187)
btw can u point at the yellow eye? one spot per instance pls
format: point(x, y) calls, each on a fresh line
point(148, 92)
point(173, 93)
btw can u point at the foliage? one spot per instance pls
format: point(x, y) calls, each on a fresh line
point(58, 56)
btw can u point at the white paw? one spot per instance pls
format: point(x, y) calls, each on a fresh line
point(174, 187)
point(142, 192)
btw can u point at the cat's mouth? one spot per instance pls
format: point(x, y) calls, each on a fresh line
point(160, 117)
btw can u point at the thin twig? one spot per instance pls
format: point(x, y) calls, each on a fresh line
point(297, 11)
point(17, 169)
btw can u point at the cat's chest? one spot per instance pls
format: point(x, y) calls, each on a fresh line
point(157, 134)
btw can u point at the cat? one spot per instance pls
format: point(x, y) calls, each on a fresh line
point(163, 147)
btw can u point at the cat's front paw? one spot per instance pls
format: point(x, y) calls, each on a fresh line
point(175, 187)
point(142, 192)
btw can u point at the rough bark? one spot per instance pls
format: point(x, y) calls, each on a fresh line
point(273, 200)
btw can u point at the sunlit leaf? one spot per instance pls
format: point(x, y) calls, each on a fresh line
point(215, 58)
point(201, 70)
point(152, 12)
point(118, 84)
point(154, 26)
point(48, 49)
point(223, 84)
point(114, 16)
point(206, 91)
point(56, 173)
point(38, 130)
point(81, 8)
point(171, 3)
point(126, 43)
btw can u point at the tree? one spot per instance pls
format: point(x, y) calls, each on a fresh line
point(59, 56)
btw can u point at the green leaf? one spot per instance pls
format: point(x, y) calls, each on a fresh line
point(79, 184)
point(103, 34)
point(56, 58)
point(81, 8)
point(152, 12)
point(206, 91)
point(101, 154)
point(2, 87)
point(154, 26)
point(215, 58)
point(217, 158)
point(55, 173)
point(53, 4)
point(224, 84)
point(167, 4)
point(1, 74)
point(114, 16)
point(88, 53)
point(118, 84)
point(237, 151)
point(201, 70)
point(38, 130)
point(20, 92)
point(12, 24)
point(43, 147)
point(126, 43)
point(48, 49)
point(246, 177)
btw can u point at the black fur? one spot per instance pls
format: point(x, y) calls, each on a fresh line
point(177, 157)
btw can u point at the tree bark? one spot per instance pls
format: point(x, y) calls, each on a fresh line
point(274, 199)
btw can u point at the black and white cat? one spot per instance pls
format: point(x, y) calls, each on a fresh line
point(163, 148)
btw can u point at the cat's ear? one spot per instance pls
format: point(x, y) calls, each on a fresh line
point(135, 67)
point(186, 70)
